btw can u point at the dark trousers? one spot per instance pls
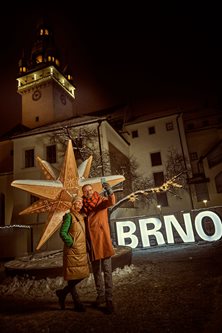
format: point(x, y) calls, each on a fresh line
point(102, 272)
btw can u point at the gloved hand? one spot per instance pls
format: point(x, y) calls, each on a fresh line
point(107, 189)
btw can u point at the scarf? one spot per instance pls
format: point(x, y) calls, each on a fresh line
point(90, 203)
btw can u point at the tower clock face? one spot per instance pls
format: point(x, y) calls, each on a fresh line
point(36, 95)
point(63, 99)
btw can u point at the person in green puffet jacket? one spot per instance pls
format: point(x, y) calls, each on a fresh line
point(75, 258)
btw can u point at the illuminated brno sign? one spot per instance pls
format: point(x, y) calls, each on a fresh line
point(147, 231)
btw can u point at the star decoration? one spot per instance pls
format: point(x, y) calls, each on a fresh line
point(56, 194)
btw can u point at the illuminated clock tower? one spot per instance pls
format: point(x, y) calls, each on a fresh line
point(47, 91)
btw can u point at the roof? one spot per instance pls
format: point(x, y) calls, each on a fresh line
point(71, 122)
point(18, 129)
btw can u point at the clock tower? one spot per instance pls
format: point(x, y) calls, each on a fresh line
point(47, 91)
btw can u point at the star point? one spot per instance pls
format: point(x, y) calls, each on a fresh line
point(56, 195)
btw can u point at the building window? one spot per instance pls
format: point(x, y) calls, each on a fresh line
point(135, 134)
point(169, 126)
point(29, 158)
point(215, 156)
point(202, 192)
point(155, 159)
point(190, 126)
point(161, 197)
point(193, 156)
point(39, 58)
point(33, 199)
point(151, 130)
point(218, 182)
point(51, 154)
point(37, 118)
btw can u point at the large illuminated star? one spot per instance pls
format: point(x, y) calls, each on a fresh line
point(56, 194)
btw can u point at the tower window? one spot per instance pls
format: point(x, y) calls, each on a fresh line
point(37, 118)
point(29, 158)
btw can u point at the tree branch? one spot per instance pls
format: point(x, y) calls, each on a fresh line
point(166, 186)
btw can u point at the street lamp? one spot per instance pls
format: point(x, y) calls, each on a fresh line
point(205, 202)
point(159, 209)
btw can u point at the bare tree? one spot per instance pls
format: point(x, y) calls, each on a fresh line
point(85, 144)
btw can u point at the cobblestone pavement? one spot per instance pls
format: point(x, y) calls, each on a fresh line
point(175, 291)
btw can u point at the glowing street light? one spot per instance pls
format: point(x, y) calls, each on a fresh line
point(205, 202)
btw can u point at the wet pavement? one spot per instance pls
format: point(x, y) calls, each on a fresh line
point(176, 290)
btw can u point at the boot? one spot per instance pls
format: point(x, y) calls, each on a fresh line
point(61, 296)
point(100, 300)
point(78, 305)
point(109, 307)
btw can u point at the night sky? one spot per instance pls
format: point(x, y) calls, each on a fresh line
point(119, 55)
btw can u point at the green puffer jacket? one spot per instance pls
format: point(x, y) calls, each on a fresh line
point(75, 259)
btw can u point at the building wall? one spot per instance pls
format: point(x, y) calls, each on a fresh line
point(201, 142)
point(6, 197)
point(22, 199)
point(161, 141)
point(6, 156)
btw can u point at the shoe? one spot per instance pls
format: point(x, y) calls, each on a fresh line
point(109, 307)
point(79, 307)
point(100, 300)
point(61, 298)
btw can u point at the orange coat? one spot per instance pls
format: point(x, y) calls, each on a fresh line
point(98, 229)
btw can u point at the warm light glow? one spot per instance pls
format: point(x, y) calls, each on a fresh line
point(205, 202)
point(39, 58)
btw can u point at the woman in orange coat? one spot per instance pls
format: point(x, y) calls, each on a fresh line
point(75, 260)
point(98, 234)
